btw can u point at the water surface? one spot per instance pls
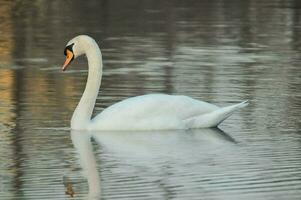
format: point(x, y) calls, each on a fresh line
point(218, 51)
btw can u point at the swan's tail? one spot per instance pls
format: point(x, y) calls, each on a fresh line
point(213, 118)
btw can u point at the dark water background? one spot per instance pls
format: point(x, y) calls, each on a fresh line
point(218, 51)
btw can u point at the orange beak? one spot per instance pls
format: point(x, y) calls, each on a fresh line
point(69, 58)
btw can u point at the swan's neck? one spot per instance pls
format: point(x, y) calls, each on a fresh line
point(83, 112)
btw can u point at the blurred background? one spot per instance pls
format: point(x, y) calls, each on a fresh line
point(214, 50)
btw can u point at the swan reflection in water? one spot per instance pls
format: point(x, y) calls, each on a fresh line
point(144, 150)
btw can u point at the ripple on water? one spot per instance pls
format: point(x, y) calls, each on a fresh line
point(209, 50)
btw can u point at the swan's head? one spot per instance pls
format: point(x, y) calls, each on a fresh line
point(76, 47)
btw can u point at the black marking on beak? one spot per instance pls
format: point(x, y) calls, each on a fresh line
point(69, 47)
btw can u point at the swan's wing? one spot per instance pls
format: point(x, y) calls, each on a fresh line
point(152, 109)
point(154, 105)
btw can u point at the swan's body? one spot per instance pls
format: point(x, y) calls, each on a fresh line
point(147, 112)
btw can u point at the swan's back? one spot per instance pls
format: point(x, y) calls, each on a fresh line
point(153, 111)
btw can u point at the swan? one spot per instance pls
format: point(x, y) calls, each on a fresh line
point(146, 112)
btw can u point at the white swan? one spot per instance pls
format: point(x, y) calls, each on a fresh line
point(147, 112)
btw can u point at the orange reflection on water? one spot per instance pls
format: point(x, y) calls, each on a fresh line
point(7, 102)
point(6, 31)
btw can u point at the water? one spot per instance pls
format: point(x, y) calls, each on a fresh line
point(218, 51)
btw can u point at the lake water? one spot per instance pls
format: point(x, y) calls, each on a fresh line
point(219, 51)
